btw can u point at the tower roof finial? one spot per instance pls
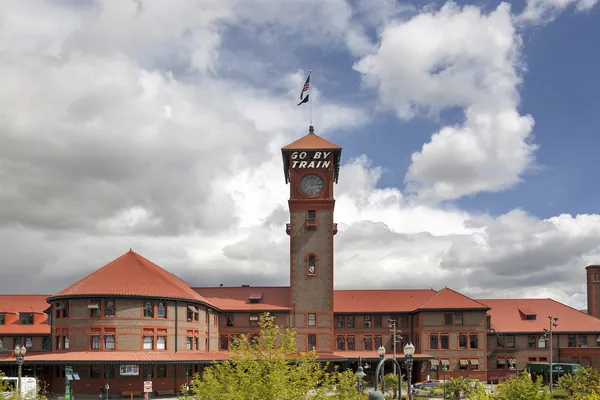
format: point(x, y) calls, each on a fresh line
point(311, 129)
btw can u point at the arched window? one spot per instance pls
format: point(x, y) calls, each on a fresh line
point(148, 309)
point(312, 265)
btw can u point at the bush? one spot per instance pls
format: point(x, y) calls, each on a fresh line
point(584, 381)
point(521, 388)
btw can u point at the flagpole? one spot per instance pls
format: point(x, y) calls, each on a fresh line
point(310, 99)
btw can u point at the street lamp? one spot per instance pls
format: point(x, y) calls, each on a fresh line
point(381, 351)
point(549, 333)
point(20, 355)
point(359, 375)
point(187, 374)
point(409, 351)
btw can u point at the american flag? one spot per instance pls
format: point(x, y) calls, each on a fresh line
point(304, 99)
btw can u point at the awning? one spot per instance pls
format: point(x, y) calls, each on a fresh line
point(435, 363)
point(464, 361)
point(255, 296)
point(253, 318)
point(94, 304)
point(192, 309)
point(445, 362)
point(474, 361)
point(502, 361)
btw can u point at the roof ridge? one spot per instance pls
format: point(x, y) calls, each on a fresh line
point(446, 289)
point(464, 295)
point(573, 308)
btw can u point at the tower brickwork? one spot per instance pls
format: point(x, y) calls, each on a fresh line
point(593, 290)
point(311, 166)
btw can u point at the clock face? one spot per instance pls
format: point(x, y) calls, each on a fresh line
point(311, 184)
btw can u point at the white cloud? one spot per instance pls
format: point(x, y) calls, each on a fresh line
point(545, 11)
point(119, 131)
point(457, 57)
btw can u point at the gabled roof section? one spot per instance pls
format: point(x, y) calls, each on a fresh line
point(448, 299)
point(273, 298)
point(392, 301)
point(132, 275)
point(14, 304)
point(506, 316)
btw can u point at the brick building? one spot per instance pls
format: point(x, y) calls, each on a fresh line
point(132, 320)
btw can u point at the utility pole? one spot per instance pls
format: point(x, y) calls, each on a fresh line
point(394, 325)
point(553, 323)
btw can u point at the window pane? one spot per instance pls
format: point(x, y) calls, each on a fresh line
point(312, 341)
point(340, 321)
point(433, 341)
point(350, 322)
point(149, 310)
point(448, 318)
point(445, 341)
point(462, 341)
point(458, 319)
point(473, 341)
point(368, 342)
point(109, 308)
point(148, 342)
point(350, 342)
point(162, 310)
point(341, 343)
point(161, 343)
point(378, 342)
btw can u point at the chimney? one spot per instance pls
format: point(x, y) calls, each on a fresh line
point(593, 290)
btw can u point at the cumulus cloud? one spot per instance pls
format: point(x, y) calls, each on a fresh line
point(120, 128)
point(456, 57)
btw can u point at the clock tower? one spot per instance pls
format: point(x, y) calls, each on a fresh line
point(311, 166)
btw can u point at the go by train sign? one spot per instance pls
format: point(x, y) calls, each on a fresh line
point(310, 159)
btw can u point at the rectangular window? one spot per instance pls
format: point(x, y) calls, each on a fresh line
point(582, 340)
point(190, 343)
point(473, 341)
point(197, 343)
point(312, 319)
point(341, 321)
point(28, 342)
point(463, 363)
point(351, 343)
point(462, 340)
point(148, 371)
point(109, 342)
point(404, 321)
point(148, 309)
point(433, 341)
point(57, 342)
point(26, 318)
point(95, 371)
point(488, 322)
point(341, 343)
point(253, 320)
point(474, 363)
point(109, 371)
point(161, 371)
point(312, 341)
point(350, 321)
point(94, 307)
point(65, 340)
point(2, 318)
point(509, 340)
point(543, 359)
point(532, 341)
point(46, 344)
point(444, 341)
point(448, 318)
point(501, 363)
point(229, 320)
point(161, 343)
point(129, 370)
point(572, 340)
point(542, 342)
point(368, 342)
point(95, 342)
point(224, 342)
point(458, 318)
point(109, 308)
point(368, 323)
point(161, 310)
point(378, 341)
point(148, 342)
point(311, 214)
point(532, 359)
point(377, 321)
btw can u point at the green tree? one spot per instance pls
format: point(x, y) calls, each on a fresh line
point(269, 367)
point(5, 387)
point(457, 386)
point(584, 381)
point(521, 387)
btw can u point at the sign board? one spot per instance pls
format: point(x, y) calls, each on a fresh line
point(147, 386)
point(311, 159)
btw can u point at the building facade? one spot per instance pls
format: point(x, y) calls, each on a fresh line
point(132, 321)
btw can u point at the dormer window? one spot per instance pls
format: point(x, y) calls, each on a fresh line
point(26, 318)
point(255, 297)
point(527, 314)
point(2, 318)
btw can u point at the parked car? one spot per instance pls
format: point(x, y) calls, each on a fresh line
point(427, 383)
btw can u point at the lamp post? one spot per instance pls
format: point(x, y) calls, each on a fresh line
point(548, 333)
point(187, 375)
point(444, 371)
point(359, 375)
point(409, 351)
point(381, 351)
point(20, 356)
point(377, 394)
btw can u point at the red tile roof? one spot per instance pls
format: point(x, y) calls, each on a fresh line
point(450, 299)
point(132, 275)
point(226, 298)
point(310, 142)
point(355, 301)
point(119, 356)
point(506, 317)
point(13, 304)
